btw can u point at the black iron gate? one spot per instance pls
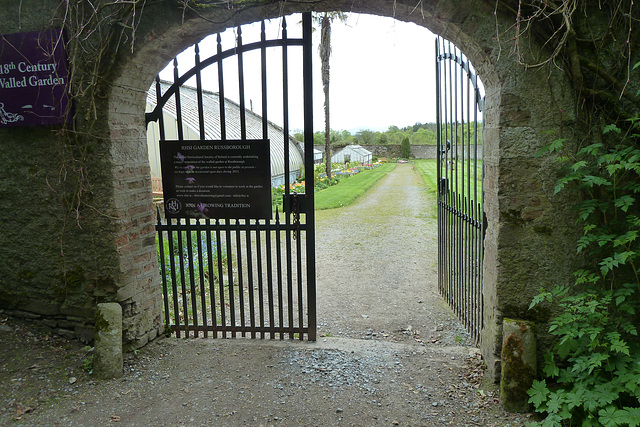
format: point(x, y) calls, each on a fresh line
point(242, 276)
point(460, 175)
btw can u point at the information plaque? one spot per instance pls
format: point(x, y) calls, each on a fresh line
point(216, 179)
point(33, 79)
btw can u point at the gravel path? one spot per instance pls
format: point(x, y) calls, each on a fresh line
point(390, 352)
point(377, 266)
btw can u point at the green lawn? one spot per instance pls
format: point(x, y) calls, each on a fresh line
point(428, 171)
point(349, 189)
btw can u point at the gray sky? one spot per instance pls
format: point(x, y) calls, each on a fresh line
point(382, 74)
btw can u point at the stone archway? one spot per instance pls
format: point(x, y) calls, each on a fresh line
point(60, 256)
point(520, 105)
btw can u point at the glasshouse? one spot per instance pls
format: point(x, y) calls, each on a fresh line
point(211, 113)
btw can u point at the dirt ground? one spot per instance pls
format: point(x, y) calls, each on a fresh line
point(390, 351)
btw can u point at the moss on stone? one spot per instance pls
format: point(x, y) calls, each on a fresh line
point(518, 366)
point(73, 279)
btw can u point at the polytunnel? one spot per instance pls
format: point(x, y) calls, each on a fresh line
point(212, 128)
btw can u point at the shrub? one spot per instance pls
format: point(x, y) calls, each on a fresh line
point(593, 371)
point(405, 148)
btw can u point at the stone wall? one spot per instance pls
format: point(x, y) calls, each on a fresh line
point(77, 230)
point(56, 255)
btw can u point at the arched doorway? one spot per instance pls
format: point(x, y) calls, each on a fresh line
point(468, 26)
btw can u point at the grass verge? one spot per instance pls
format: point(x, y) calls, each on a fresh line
point(351, 188)
point(428, 172)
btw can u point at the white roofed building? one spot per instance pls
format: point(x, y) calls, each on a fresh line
point(353, 153)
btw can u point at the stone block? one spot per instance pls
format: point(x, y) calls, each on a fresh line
point(65, 333)
point(518, 364)
point(26, 315)
point(153, 334)
point(64, 323)
point(108, 361)
point(51, 323)
point(42, 307)
point(126, 292)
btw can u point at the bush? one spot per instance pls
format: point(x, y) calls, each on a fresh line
point(405, 148)
point(593, 371)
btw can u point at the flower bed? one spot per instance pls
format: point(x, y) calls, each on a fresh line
point(321, 180)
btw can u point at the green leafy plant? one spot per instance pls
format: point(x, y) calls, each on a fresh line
point(405, 148)
point(87, 362)
point(593, 371)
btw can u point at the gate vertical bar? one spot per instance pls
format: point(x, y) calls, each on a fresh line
point(178, 104)
point(240, 278)
point(174, 284)
point(287, 176)
point(309, 176)
point(223, 117)
point(185, 306)
point(199, 90)
point(270, 295)
point(230, 281)
point(279, 274)
point(260, 281)
point(265, 135)
point(203, 292)
point(243, 113)
point(192, 283)
point(252, 309)
point(223, 311)
point(439, 151)
point(212, 284)
point(163, 269)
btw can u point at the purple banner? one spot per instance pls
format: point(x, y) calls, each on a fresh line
point(33, 79)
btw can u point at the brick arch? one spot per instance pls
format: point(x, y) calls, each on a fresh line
point(515, 199)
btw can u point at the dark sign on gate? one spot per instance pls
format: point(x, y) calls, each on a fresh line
point(33, 79)
point(216, 179)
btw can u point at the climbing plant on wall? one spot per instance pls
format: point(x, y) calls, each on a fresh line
point(592, 373)
point(592, 42)
point(95, 33)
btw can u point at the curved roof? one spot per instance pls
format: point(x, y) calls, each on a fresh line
point(212, 128)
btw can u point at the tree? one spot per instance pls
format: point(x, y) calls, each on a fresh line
point(365, 137)
point(405, 148)
point(325, 21)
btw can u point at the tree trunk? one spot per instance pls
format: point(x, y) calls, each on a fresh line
point(325, 53)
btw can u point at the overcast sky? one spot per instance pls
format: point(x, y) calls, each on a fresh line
point(382, 74)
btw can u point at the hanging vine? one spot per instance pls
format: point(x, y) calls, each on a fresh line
point(591, 41)
point(95, 32)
